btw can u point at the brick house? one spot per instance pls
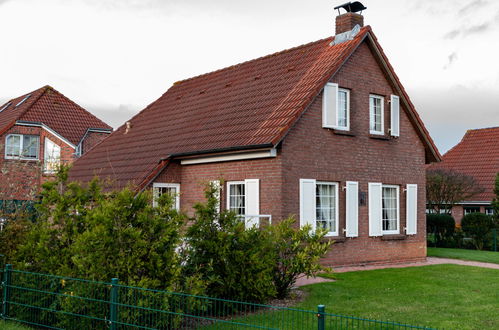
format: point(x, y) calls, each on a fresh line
point(477, 155)
point(324, 131)
point(39, 131)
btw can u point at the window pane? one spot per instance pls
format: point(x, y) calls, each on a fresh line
point(326, 207)
point(52, 156)
point(390, 208)
point(236, 198)
point(13, 145)
point(375, 110)
point(342, 108)
point(30, 146)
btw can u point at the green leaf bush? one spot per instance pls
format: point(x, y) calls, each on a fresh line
point(478, 227)
point(442, 228)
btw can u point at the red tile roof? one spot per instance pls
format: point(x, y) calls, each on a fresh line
point(48, 106)
point(246, 105)
point(477, 155)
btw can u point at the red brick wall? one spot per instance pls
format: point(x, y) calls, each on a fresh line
point(193, 179)
point(310, 151)
point(92, 139)
point(21, 179)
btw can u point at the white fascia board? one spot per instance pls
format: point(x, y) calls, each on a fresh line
point(48, 129)
point(475, 203)
point(226, 158)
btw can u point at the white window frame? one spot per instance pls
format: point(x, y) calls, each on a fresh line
point(347, 127)
point(489, 211)
point(397, 231)
point(233, 183)
point(45, 163)
point(336, 191)
point(21, 137)
point(371, 115)
point(167, 185)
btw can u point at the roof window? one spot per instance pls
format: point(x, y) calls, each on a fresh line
point(5, 106)
point(22, 101)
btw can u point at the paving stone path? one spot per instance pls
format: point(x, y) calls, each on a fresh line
point(429, 261)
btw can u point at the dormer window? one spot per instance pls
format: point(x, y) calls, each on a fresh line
point(336, 107)
point(376, 110)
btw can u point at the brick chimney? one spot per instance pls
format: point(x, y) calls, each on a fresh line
point(347, 21)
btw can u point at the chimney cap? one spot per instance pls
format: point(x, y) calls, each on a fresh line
point(351, 7)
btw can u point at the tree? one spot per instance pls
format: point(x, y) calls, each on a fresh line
point(446, 188)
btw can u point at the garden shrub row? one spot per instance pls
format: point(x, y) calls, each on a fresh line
point(85, 232)
point(476, 232)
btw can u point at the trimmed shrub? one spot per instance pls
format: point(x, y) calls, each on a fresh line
point(478, 227)
point(296, 251)
point(442, 227)
point(237, 263)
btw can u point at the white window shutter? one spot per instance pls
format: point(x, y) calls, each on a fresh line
point(329, 105)
point(412, 209)
point(216, 185)
point(252, 202)
point(352, 209)
point(307, 202)
point(395, 115)
point(375, 209)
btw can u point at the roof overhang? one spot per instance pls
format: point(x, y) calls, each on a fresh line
point(210, 156)
point(432, 154)
point(46, 128)
point(95, 130)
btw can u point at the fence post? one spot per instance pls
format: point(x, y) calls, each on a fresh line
point(495, 239)
point(6, 290)
point(113, 315)
point(321, 325)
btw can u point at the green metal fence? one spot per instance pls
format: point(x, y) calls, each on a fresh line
point(57, 302)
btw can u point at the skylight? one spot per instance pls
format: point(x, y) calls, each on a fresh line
point(5, 106)
point(22, 101)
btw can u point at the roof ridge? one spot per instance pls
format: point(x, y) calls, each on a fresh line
point(80, 107)
point(252, 60)
point(482, 128)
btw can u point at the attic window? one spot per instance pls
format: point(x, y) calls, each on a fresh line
point(22, 101)
point(5, 106)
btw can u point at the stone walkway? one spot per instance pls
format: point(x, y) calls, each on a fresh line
point(429, 261)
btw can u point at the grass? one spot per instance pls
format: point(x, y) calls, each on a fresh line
point(440, 296)
point(475, 255)
point(12, 326)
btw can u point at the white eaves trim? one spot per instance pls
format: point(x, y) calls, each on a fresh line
point(48, 129)
point(226, 158)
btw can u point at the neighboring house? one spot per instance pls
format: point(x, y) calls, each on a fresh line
point(324, 131)
point(38, 132)
point(477, 155)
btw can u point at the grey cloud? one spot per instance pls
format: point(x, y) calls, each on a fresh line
point(113, 115)
point(450, 59)
point(449, 112)
point(467, 31)
point(472, 6)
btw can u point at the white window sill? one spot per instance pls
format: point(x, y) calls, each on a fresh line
point(376, 132)
point(19, 158)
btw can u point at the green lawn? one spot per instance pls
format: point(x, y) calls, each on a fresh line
point(441, 296)
point(11, 326)
point(483, 256)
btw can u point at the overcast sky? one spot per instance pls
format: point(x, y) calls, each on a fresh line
point(114, 57)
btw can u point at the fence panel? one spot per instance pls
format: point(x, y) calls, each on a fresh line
point(57, 302)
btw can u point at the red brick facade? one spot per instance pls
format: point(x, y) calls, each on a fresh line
point(312, 152)
point(21, 179)
point(91, 139)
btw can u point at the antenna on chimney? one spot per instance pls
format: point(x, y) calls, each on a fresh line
point(351, 7)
